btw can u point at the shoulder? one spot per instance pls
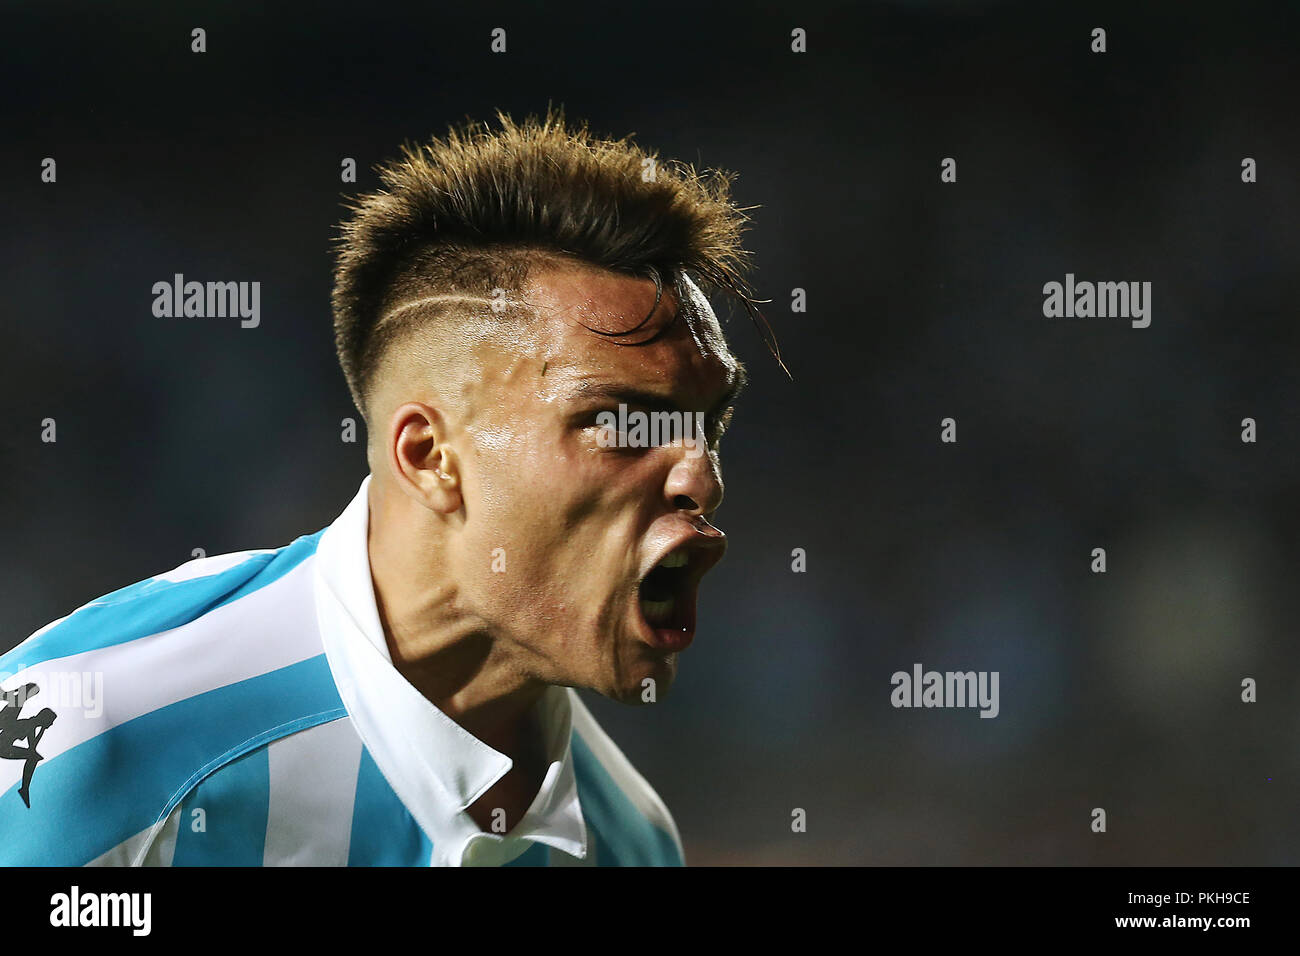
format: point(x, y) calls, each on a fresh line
point(632, 823)
point(115, 711)
point(162, 603)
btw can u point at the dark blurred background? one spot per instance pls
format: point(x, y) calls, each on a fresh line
point(1118, 690)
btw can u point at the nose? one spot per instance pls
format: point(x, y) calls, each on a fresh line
point(694, 484)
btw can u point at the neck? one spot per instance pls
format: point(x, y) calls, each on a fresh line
point(446, 651)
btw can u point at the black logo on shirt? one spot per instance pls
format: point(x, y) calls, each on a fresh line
point(14, 729)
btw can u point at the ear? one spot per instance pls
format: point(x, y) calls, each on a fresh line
point(422, 462)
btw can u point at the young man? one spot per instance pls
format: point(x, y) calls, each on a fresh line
point(515, 311)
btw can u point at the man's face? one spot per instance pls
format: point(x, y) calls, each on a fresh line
point(583, 523)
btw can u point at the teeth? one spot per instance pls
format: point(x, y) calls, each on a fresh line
point(657, 611)
point(675, 560)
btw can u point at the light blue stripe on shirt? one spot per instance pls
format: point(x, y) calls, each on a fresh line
point(621, 834)
point(383, 831)
point(92, 797)
point(155, 605)
point(223, 820)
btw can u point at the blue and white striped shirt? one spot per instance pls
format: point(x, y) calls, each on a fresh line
point(243, 710)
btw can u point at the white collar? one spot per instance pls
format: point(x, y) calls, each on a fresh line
point(435, 766)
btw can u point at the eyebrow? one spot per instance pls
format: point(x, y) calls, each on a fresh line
point(628, 395)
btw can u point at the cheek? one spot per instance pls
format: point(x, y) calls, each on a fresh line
point(506, 466)
point(566, 518)
point(515, 500)
point(531, 480)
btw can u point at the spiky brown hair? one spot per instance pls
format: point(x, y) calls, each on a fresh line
point(480, 209)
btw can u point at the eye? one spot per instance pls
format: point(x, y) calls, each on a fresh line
point(600, 418)
point(603, 427)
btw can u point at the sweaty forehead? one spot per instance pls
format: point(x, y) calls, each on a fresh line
point(580, 310)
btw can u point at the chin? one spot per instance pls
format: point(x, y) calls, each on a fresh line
point(647, 684)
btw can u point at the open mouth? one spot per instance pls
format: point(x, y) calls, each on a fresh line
point(667, 601)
